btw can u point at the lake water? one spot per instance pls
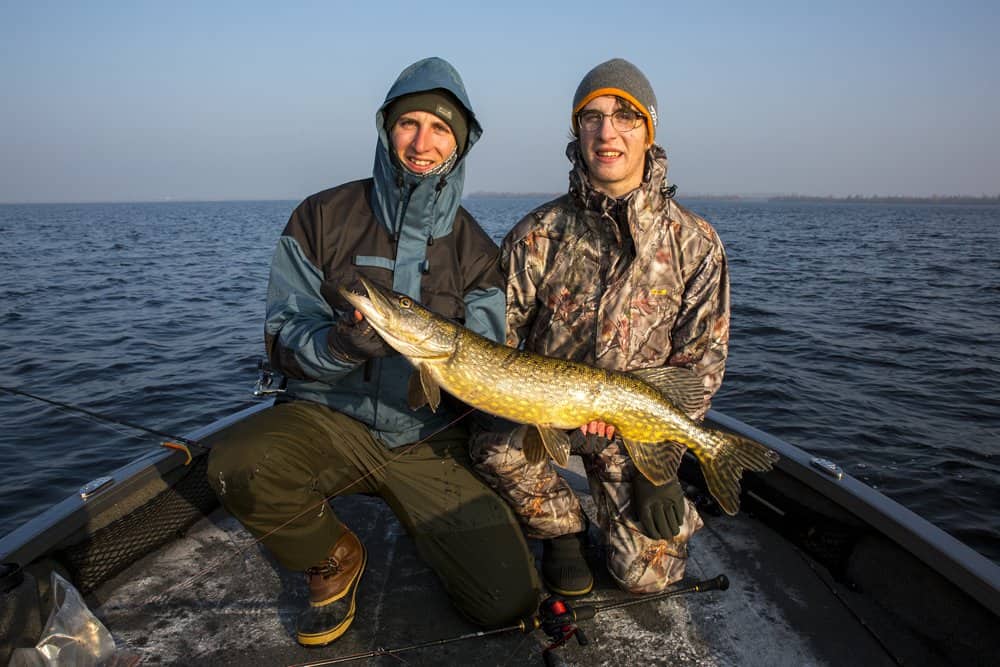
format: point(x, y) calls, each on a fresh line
point(867, 333)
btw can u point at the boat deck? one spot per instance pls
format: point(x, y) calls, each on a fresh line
point(214, 597)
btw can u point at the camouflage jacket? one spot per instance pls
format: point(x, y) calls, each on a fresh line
point(633, 283)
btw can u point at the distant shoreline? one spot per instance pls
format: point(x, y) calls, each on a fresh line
point(993, 200)
point(851, 199)
point(512, 195)
point(860, 199)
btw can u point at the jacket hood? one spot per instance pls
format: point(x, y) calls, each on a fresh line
point(424, 75)
point(654, 193)
point(395, 187)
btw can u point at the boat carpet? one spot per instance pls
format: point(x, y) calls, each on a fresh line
point(213, 597)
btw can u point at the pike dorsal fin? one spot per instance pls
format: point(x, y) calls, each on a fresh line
point(657, 461)
point(423, 389)
point(540, 440)
point(680, 386)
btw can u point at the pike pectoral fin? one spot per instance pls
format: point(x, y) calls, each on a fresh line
point(432, 390)
point(423, 389)
point(658, 461)
point(531, 444)
point(415, 397)
point(540, 441)
point(680, 386)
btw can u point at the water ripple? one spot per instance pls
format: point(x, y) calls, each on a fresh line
point(869, 334)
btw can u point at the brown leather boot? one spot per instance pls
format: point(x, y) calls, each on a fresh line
point(333, 586)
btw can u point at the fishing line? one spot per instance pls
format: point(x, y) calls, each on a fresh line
point(193, 443)
point(99, 416)
point(849, 607)
point(241, 549)
point(556, 617)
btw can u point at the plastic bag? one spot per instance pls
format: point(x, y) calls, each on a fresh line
point(72, 637)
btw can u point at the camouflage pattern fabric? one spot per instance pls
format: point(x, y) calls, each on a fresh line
point(581, 287)
point(542, 500)
point(638, 563)
point(639, 282)
point(547, 507)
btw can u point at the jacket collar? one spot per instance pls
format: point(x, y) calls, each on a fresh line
point(652, 195)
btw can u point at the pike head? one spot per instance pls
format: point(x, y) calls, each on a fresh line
point(404, 324)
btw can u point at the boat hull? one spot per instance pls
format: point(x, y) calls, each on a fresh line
point(175, 577)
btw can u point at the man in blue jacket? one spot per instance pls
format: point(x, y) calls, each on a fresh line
point(344, 425)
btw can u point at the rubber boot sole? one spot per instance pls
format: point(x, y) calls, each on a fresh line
point(570, 593)
point(564, 560)
point(322, 624)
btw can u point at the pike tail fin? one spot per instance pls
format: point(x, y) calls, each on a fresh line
point(724, 469)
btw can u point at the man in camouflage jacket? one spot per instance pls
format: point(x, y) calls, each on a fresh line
point(615, 274)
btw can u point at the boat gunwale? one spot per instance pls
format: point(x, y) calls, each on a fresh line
point(963, 566)
point(48, 530)
point(967, 569)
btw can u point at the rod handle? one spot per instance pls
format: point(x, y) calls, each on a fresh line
point(719, 583)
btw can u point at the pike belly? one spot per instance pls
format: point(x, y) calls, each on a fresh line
point(552, 392)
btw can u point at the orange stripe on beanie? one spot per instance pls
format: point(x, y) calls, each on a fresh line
point(621, 78)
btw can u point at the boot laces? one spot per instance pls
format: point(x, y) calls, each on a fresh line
point(326, 569)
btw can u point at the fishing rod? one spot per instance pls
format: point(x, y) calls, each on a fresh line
point(101, 417)
point(555, 617)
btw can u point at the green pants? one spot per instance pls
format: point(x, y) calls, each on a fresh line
point(273, 470)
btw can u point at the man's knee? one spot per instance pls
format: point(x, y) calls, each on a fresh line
point(506, 587)
point(495, 454)
point(231, 475)
point(649, 570)
point(239, 465)
point(486, 566)
point(506, 603)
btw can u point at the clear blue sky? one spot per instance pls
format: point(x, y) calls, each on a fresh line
point(108, 101)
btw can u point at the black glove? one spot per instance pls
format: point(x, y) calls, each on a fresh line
point(355, 341)
point(587, 443)
point(659, 508)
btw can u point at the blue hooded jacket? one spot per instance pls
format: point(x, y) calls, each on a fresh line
point(398, 229)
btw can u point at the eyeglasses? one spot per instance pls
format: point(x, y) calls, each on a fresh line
point(623, 120)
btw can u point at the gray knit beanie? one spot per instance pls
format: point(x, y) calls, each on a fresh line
point(622, 78)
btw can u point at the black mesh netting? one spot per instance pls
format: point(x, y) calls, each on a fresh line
point(111, 549)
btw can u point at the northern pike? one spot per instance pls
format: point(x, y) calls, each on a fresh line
point(646, 407)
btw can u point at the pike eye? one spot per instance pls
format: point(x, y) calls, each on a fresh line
point(405, 302)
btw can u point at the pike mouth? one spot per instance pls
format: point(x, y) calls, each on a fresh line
point(382, 312)
point(376, 307)
point(407, 327)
